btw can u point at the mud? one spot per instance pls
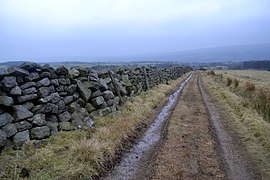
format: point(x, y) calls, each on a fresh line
point(131, 161)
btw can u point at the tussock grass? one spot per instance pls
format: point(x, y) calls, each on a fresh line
point(244, 120)
point(85, 154)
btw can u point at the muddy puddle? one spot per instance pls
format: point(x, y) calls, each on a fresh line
point(131, 161)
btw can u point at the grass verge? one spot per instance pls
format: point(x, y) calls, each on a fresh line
point(248, 125)
point(86, 154)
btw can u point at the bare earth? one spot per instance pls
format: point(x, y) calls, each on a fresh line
point(194, 144)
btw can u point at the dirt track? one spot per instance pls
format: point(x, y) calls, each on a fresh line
point(194, 144)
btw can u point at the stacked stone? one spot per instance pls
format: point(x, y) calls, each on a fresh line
point(38, 101)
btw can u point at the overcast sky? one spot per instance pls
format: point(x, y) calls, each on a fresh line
point(40, 29)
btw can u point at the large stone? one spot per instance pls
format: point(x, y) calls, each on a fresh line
point(108, 95)
point(64, 81)
point(10, 130)
point(90, 108)
point(53, 126)
point(64, 117)
point(6, 101)
point(65, 126)
point(44, 91)
point(5, 119)
point(86, 93)
point(21, 138)
point(98, 101)
point(74, 72)
point(44, 82)
point(55, 82)
point(28, 85)
point(18, 72)
point(16, 91)
point(9, 82)
point(3, 72)
point(71, 89)
point(3, 138)
point(32, 77)
point(68, 99)
point(26, 98)
point(20, 112)
point(103, 85)
point(23, 125)
point(96, 94)
point(31, 90)
point(40, 132)
point(39, 120)
point(29, 66)
point(126, 81)
point(62, 70)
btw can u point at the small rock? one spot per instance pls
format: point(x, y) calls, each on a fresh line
point(62, 70)
point(39, 120)
point(20, 112)
point(21, 138)
point(9, 82)
point(29, 66)
point(28, 85)
point(68, 99)
point(61, 105)
point(44, 91)
point(3, 138)
point(40, 132)
point(98, 101)
point(90, 108)
point(65, 126)
point(31, 90)
point(53, 126)
point(108, 95)
point(32, 77)
point(25, 98)
point(10, 130)
point(86, 93)
point(28, 105)
point(74, 72)
point(64, 117)
point(6, 101)
point(43, 82)
point(23, 125)
point(55, 82)
point(88, 122)
point(5, 119)
point(19, 72)
point(16, 91)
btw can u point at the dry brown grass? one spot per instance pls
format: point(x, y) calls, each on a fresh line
point(239, 113)
point(84, 154)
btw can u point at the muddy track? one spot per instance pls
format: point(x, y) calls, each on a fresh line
point(186, 141)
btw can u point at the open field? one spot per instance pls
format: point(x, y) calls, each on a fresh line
point(244, 109)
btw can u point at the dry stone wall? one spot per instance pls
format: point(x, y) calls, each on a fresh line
point(37, 101)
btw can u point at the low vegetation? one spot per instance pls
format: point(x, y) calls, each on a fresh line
point(245, 108)
point(86, 154)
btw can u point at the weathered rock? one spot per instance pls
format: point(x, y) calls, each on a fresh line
point(31, 90)
point(44, 82)
point(5, 119)
point(65, 126)
point(29, 66)
point(45, 75)
point(51, 117)
point(44, 91)
point(62, 70)
point(126, 81)
point(3, 72)
point(23, 125)
point(20, 80)
point(28, 85)
point(68, 99)
point(49, 108)
point(78, 117)
point(101, 112)
point(90, 108)
point(20, 112)
point(94, 86)
point(61, 105)
point(16, 91)
point(39, 120)
point(71, 89)
point(98, 101)
point(6, 101)
point(86, 93)
point(88, 122)
point(53, 126)
point(25, 98)
point(40, 132)
point(3, 138)
point(9, 82)
point(103, 85)
point(32, 77)
point(21, 138)
point(64, 81)
point(107, 95)
point(55, 82)
point(83, 71)
point(28, 105)
point(64, 117)
point(15, 71)
point(96, 94)
point(74, 72)
point(10, 130)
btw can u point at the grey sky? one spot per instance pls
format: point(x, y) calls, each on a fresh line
point(37, 29)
